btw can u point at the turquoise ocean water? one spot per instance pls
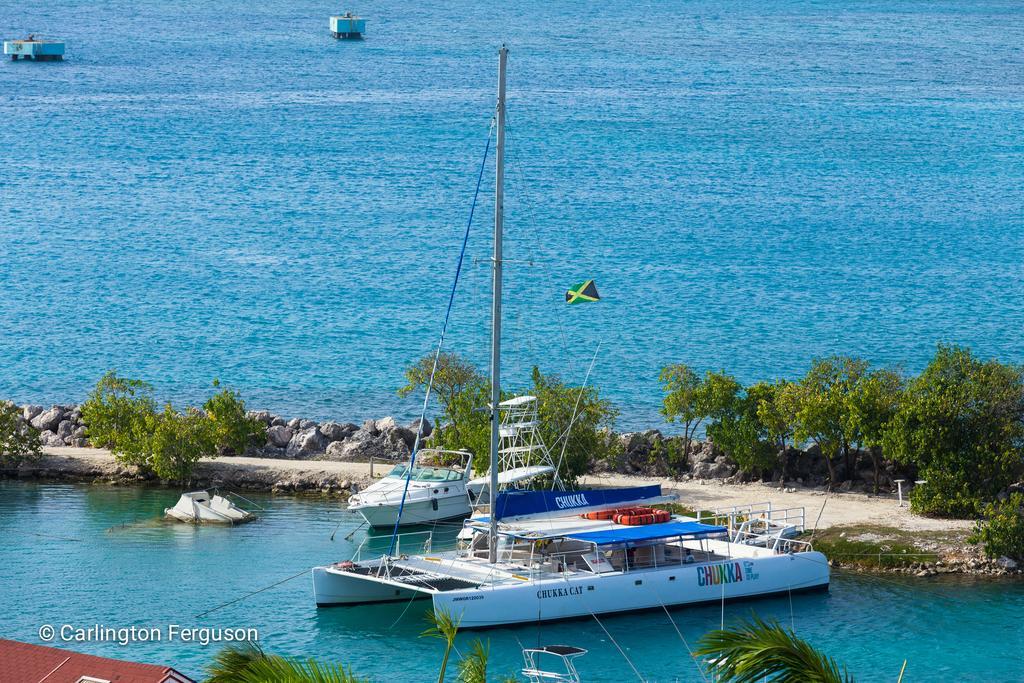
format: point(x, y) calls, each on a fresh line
point(93, 555)
point(207, 189)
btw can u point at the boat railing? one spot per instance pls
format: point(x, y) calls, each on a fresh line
point(774, 540)
point(761, 513)
point(423, 543)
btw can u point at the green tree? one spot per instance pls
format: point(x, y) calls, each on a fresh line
point(961, 423)
point(573, 423)
point(118, 414)
point(756, 651)
point(771, 412)
point(820, 409)
point(233, 431)
point(690, 399)
point(571, 417)
point(737, 427)
point(19, 441)
point(1001, 531)
point(873, 403)
point(459, 388)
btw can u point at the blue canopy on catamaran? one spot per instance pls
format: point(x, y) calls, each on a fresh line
point(649, 532)
point(529, 503)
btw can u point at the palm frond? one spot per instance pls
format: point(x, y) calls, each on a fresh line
point(756, 650)
point(445, 627)
point(228, 664)
point(250, 665)
point(473, 667)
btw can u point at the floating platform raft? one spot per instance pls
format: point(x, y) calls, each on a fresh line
point(348, 26)
point(32, 48)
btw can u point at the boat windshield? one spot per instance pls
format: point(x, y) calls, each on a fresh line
point(426, 473)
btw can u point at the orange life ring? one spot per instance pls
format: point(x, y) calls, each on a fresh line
point(602, 515)
point(641, 516)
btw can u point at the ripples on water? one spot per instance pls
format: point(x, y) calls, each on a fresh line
point(95, 555)
point(203, 192)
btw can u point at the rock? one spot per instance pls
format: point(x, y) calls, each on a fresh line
point(333, 431)
point(48, 438)
point(1006, 562)
point(713, 470)
point(278, 421)
point(263, 416)
point(78, 442)
point(427, 428)
point(29, 412)
point(306, 443)
point(366, 443)
point(294, 423)
point(279, 436)
point(65, 429)
point(370, 427)
point(386, 424)
point(79, 432)
point(48, 419)
point(306, 424)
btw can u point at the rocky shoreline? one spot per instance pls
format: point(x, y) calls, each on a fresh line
point(646, 453)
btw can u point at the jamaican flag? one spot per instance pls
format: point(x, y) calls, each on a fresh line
point(582, 293)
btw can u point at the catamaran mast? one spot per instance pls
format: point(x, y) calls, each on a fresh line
point(499, 192)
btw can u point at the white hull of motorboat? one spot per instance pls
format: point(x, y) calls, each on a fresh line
point(198, 507)
point(415, 511)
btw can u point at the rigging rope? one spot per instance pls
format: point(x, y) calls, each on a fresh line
point(440, 341)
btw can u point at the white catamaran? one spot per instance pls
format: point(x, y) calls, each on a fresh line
point(545, 555)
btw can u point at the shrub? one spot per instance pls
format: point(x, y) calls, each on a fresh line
point(177, 441)
point(961, 422)
point(19, 441)
point(118, 414)
point(1001, 532)
point(233, 431)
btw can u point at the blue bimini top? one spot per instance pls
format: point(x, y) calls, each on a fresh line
point(648, 532)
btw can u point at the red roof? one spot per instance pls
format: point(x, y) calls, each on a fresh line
point(26, 663)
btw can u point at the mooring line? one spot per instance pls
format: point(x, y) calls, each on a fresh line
point(249, 595)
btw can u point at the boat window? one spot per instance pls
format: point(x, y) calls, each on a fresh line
point(426, 473)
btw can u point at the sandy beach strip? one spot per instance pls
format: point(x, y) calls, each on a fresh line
point(827, 510)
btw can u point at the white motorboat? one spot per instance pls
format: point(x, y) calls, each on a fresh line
point(198, 507)
point(552, 563)
point(435, 492)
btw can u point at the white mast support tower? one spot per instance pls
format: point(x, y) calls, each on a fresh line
point(522, 454)
point(499, 182)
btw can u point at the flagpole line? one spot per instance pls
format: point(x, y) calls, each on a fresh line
point(440, 341)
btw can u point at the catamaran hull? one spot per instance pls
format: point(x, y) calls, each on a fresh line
point(333, 588)
point(578, 597)
point(415, 512)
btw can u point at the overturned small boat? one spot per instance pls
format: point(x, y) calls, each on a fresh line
point(198, 507)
